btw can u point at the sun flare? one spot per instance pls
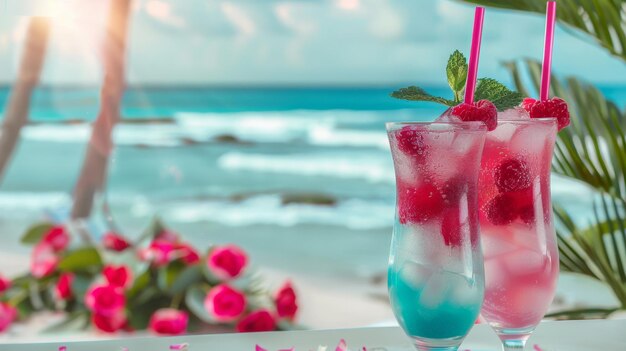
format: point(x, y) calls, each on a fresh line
point(76, 25)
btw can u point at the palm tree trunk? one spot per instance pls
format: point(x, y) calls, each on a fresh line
point(16, 114)
point(93, 173)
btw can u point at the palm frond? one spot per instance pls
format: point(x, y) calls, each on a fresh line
point(592, 148)
point(602, 20)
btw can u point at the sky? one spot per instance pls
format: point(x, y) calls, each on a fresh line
point(301, 42)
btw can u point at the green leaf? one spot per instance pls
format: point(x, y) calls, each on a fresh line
point(83, 259)
point(176, 277)
point(189, 276)
point(584, 313)
point(456, 70)
point(140, 283)
point(498, 93)
point(602, 20)
point(414, 93)
point(141, 308)
point(194, 300)
point(167, 275)
point(35, 233)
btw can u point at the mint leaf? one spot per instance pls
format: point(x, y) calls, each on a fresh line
point(457, 74)
point(498, 93)
point(414, 93)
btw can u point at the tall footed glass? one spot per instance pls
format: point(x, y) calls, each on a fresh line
point(517, 231)
point(435, 277)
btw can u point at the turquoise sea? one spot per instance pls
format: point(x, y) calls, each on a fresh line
point(232, 162)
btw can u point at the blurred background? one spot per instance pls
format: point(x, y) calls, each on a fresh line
point(261, 123)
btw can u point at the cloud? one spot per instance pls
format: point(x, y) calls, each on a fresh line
point(309, 42)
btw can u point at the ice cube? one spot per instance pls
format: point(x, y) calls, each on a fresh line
point(443, 166)
point(421, 242)
point(512, 114)
point(503, 133)
point(529, 238)
point(529, 140)
point(522, 262)
point(496, 244)
point(463, 290)
point(435, 291)
point(447, 117)
point(406, 169)
point(416, 274)
point(464, 144)
point(495, 274)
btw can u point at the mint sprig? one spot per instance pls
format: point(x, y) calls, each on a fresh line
point(456, 72)
point(498, 93)
point(414, 93)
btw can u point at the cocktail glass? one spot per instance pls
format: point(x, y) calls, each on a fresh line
point(435, 276)
point(517, 231)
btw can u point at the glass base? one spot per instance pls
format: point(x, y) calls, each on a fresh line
point(513, 339)
point(425, 344)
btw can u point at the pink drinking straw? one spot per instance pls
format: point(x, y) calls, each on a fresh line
point(544, 93)
point(472, 72)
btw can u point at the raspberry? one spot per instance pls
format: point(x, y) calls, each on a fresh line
point(451, 228)
point(416, 205)
point(527, 214)
point(411, 142)
point(525, 205)
point(555, 107)
point(512, 175)
point(452, 191)
point(483, 110)
point(501, 210)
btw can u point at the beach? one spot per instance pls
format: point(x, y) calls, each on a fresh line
point(305, 186)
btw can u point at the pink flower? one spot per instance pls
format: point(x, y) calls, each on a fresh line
point(160, 252)
point(115, 242)
point(57, 237)
point(227, 262)
point(109, 323)
point(187, 254)
point(105, 300)
point(8, 314)
point(169, 321)
point(257, 321)
point(286, 301)
point(5, 284)
point(63, 288)
point(118, 276)
point(224, 303)
point(43, 260)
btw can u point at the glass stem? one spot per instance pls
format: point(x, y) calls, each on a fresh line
point(513, 345)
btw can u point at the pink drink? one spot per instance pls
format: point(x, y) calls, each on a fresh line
point(517, 231)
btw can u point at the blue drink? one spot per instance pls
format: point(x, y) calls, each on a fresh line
point(445, 309)
point(436, 277)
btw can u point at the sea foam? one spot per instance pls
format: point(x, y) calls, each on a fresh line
point(320, 128)
point(372, 167)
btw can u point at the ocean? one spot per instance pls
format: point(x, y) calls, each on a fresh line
point(220, 161)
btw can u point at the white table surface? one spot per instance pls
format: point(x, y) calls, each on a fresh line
point(601, 335)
